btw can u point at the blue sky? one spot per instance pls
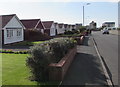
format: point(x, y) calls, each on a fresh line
point(63, 12)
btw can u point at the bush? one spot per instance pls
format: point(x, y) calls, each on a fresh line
point(14, 52)
point(82, 29)
point(118, 28)
point(6, 51)
point(71, 32)
point(35, 35)
point(41, 55)
point(68, 32)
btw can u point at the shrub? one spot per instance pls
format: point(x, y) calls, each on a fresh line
point(6, 51)
point(68, 32)
point(118, 28)
point(41, 55)
point(82, 29)
point(14, 52)
point(35, 35)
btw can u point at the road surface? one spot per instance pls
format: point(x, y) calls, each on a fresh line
point(108, 48)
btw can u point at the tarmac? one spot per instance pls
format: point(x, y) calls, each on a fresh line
point(86, 69)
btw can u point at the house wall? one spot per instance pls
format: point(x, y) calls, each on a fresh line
point(59, 30)
point(56, 28)
point(52, 30)
point(70, 28)
point(63, 29)
point(13, 25)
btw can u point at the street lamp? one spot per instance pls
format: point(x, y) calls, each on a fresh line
point(83, 11)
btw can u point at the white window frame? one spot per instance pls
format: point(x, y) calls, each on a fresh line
point(19, 32)
point(9, 33)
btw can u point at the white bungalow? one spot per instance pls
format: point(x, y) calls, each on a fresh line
point(66, 27)
point(70, 27)
point(12, 29)
point(49, 28)
point(61, 28)
point(56, 28)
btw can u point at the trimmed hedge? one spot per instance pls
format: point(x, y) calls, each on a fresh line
point(14, 52)
point(71, 32)
point(35, 35)
point(48, 52)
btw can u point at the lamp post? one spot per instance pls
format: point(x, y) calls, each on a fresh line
point(83, 12)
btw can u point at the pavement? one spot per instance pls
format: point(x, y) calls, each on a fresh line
point(86, 69)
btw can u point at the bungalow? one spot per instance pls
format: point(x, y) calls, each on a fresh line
point(78, 26)
point(49, 28)
point(61, 28)
point(66, 27)
point(70, 27)
point(56, 28)
point(108, 24)
point(12, 29)
point(92, 25)
point(33, 24)
point(73, 27)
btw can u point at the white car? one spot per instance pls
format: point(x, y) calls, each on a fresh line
point(105, 31)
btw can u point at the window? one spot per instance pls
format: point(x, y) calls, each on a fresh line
point(19, 33)
point(9, 33)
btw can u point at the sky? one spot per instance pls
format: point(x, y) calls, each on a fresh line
point(63, 11)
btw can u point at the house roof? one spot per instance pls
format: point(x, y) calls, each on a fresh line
point(55, 24)
point(47, 24)
point(40, 25)
point(60, 25)
point(30, 23)
point(6, 18)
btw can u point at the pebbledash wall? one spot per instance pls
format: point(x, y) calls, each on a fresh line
point(13, 24)
point(119, 14)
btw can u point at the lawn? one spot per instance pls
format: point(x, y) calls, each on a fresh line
point(14, 70)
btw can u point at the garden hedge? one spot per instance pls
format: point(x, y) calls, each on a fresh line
point(41, 55)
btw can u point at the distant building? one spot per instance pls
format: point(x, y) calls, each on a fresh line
point(66, 27)
point(78, 26)
point(33, 24)
point(119, 14)
point(61, 28)
point(70, 27)
point(56, 28)
point(73, 27)
point(50, 28)
point(92, 25)
point(108, 24)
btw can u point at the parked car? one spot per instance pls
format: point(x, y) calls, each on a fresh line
point(105, 31)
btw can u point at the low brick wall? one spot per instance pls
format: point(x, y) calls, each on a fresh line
point(58, 70)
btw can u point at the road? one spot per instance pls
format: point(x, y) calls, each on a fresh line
point(108, 48)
